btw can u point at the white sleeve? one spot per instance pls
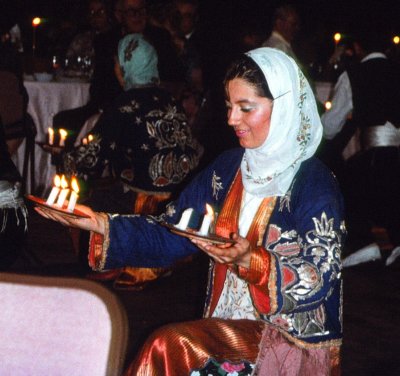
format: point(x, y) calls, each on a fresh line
point(342, 105)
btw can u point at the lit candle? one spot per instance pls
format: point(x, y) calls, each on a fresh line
point(84, 141)
point(54, 191)
point(64, 192)
point(51, 135)
point(90, 138)
point(35, 23)
point(74, 195)
point(328, 105)
point(207, 220)
point(63, 136)
point(183, 223)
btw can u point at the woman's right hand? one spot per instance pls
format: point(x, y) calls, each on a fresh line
point(96, 221)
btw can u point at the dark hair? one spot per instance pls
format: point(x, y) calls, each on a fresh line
point(245, 68)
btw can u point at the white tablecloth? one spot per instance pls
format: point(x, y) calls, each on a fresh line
point(46, 99)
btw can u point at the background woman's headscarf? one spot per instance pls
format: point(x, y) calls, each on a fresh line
point(295, 130)
point(138, 60)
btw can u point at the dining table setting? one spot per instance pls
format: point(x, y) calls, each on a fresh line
point(48, 95)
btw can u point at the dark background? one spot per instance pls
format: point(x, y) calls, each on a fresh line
point(223, 20)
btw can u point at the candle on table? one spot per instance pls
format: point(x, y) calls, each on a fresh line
point(54, 191)
point(90, 138)
point(63, 136)
point(84, 141)
point(35, 23)
point(337, 37)
point(183, 223)
point(64, 192)
point(207, 220)
point(50, 131)
point(73, 198)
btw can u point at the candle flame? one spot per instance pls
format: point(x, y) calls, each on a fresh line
point(64, 183)
point(396, 39)
point(50, 131)
point(210, 210)
point(328, 105)
point(57, 181)
point(90, 138)
point(63, 133)
point(337, 37)
point(36, 21)
point(74, 184)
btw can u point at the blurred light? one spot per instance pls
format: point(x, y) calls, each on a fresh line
point(337, 37)
point(36, 21)
point(396, 39)
point(328, 105)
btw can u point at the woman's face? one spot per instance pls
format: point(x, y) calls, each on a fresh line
point(248, 113)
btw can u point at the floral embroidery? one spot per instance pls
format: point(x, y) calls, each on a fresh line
point(285, 200)
point(170, 210)
point(132, 107)
point(129, 49)
point(235, 301)
point(226, 368)
point(303, 277)
point(216, 185)
point(85, 155)
point(274, 244)
point(167, 169)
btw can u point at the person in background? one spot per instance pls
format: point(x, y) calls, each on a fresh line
point(192, 49)
point(104, 87)
point(143, 140)
point(285, 27)
point(13, 212)
point(368, 94)
point(274, 295)
point(81, 49)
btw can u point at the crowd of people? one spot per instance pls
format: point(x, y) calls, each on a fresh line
point(282, 192)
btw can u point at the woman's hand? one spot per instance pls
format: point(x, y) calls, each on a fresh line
point(96, 221)
point(238, 254)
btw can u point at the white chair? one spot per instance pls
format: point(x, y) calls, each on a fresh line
point(60, 326)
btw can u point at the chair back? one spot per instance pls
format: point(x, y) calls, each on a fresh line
point(11, 99)
point(60, 326)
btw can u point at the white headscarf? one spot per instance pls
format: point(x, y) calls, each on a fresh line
point(295, 130)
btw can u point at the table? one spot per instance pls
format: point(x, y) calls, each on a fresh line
point(46, 99)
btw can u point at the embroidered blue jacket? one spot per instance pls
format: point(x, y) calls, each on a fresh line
point(303, 240)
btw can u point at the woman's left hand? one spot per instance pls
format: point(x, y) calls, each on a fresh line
point(238, 253)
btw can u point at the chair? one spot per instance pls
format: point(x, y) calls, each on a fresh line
point(60, 326)
point(18, 124)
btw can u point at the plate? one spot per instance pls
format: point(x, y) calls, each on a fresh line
point(50, 148)
point(40, 202)
point(192, 234)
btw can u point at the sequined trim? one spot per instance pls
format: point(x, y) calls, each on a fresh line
point(98, 246)
point(272, 286)
point(308, 345)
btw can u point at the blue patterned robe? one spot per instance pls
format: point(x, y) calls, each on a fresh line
point(303, 240)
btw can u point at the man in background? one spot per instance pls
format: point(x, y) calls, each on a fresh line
point(368, 93)
point(285, 27)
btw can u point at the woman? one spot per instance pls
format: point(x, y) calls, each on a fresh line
point(274, 297)
point(144, 141)
point(143, 138)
